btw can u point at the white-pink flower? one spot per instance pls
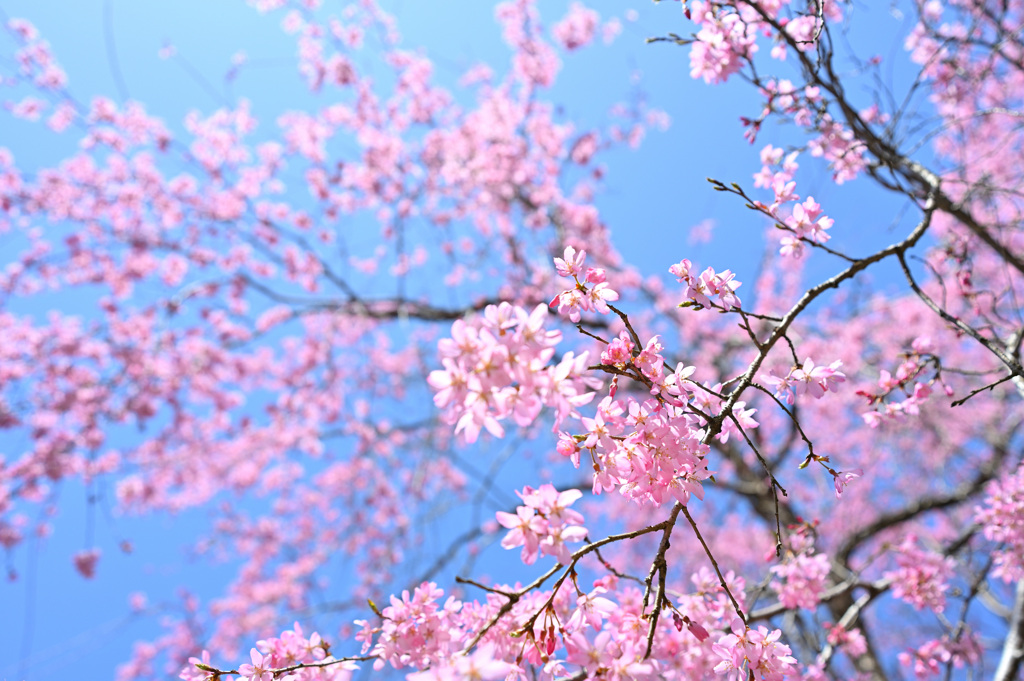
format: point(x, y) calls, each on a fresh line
point(591, 609)
point(257, 671)
point(571, 264)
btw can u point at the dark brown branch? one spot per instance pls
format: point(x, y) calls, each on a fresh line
point(923, 505)
point(659, 568)
point(714, 563)
point(1012, 364)
point(514, 596)
point(810, 296)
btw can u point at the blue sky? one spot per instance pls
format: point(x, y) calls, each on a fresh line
point(52, 623)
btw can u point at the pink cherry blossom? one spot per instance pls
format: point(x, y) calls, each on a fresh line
point(255, 671)
point(319, 326)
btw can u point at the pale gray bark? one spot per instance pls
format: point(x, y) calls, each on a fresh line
point(1013, 650)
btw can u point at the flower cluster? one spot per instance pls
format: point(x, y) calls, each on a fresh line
point(754, 652)
point(577, 29)
point(654, 450)
point(777, 172)
point(937, 655)
point(580, 298)
point(497, 367)
point(544, 523)
point(806, 223)
point(558, 633)
point(851, 641)
point(619, 351)
point(802, 576)
point(834, 142)
point(291, 649)
point(700, 289)
point(650, 451)
point(1002, 517)
point(922, 577)
point(902, 392)
point(810, 379)
point(725, 40)
point(838, 145)
point(415, 631)
point(34, 57)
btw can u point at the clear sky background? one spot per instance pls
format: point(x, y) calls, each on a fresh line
point(52, 623)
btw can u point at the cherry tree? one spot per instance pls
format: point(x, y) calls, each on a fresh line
point(324, 327)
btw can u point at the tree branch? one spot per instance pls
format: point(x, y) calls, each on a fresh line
point(1013, 648)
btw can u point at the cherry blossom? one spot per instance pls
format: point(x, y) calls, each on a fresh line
point(299, 319)
point(1002, 518)
point(543, 524)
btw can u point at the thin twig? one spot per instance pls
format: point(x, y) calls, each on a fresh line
point(718, 570)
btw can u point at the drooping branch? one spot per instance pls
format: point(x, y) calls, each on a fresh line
point(1011, 363)
point(812, 294)
point(514, 596)
point(920, 178)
